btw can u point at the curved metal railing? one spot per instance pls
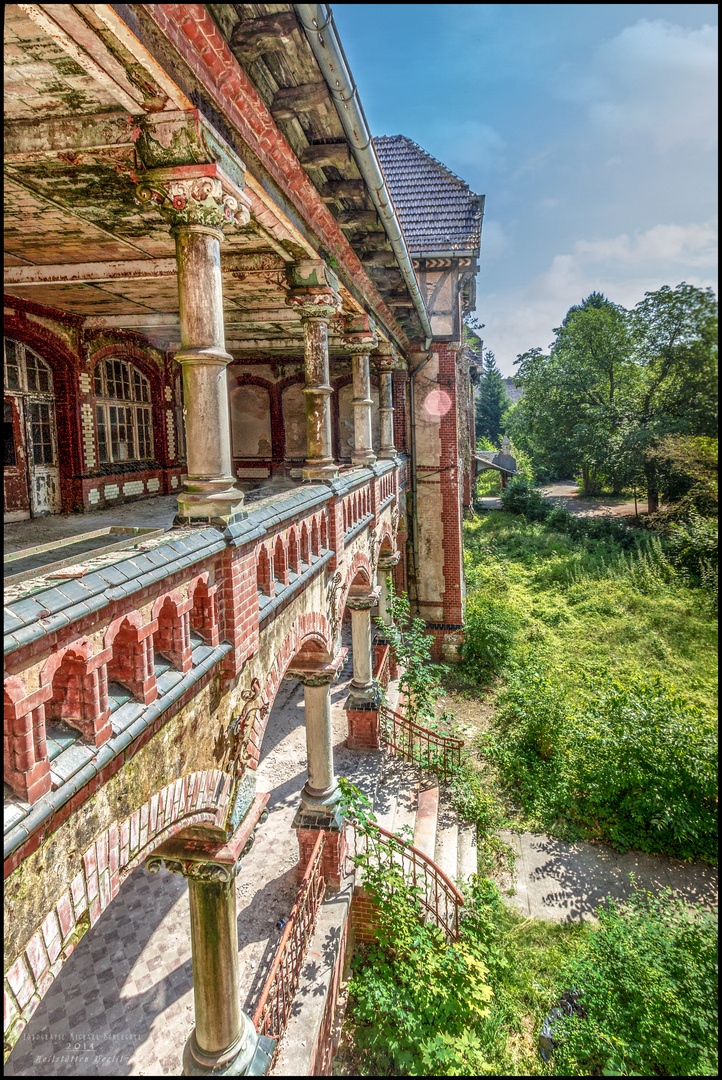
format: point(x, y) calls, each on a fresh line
point(438, 897)
point(417, 744)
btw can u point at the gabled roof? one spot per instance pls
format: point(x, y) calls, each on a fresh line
point(437, 210)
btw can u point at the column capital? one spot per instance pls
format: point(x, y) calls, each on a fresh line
point(316, 673)
point(364, 601)
point(320, 303)
point(359, 333)
point(388, 562)
point(195, 196)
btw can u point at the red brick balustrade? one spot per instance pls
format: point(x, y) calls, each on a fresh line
point(25, 760)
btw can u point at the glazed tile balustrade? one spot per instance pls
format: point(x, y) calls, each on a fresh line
point(133, 641)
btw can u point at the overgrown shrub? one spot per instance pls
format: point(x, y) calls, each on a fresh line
point(521, 497)
point(490, 632)
point(693, 543)
point(648, 974)
point(633, 762)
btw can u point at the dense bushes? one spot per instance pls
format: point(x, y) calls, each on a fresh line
point(649, 979)
point(632, 762)
point(490, 631)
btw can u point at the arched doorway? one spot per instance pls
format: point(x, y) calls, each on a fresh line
point(31, 474)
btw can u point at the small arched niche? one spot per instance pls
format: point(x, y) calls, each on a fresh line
point(251, 422)
point(294, 422)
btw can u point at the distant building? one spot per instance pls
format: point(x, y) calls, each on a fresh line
point(515, 392)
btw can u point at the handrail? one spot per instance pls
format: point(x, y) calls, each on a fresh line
point(434, 879)
point(405, 737)
point(274, 1007)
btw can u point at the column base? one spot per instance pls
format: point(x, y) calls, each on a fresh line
point(320, 472)
point(308, 824)
point(363, 461)
point(252, 1058)
point(210, 508)
point(387, 455)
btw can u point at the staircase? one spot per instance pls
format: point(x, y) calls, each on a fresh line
point(406, 797)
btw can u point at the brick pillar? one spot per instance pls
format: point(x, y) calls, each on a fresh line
point(26, 768)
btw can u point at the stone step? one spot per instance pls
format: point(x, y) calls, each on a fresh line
point(447, 840)
point(387, 794)
point(406, 802)
point(467, 858)
point(427, 812)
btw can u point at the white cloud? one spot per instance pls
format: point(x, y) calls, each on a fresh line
point(621, 267)
point(655, 82)
point(692, 245)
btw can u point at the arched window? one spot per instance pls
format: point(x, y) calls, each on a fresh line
point(122, 412)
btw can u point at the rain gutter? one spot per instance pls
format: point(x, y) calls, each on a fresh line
point(317, 21)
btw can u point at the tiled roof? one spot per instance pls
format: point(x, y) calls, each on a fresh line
point(437, 210)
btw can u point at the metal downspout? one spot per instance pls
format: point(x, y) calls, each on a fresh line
point(317, 21)
point(414, 483)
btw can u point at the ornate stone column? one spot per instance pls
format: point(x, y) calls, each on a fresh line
point(223, 1041)
point(360, 338)
point(385, 365)
point(363, 688)
point(321, 793)
point(314, 294)
point(385, 565)
point(199, 206)
point(364, 697)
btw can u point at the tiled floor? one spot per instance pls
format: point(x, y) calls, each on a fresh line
point(123, 1003)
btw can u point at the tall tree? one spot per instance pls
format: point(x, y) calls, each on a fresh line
point(492, 400)
point(675, 336)
point(616, 383)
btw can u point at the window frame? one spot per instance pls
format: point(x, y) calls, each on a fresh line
point(133, 415)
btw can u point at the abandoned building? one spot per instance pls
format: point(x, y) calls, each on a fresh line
point(221, 291)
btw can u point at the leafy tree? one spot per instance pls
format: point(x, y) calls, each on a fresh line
point(675, 335)
point(492, 400)
point(615, 383)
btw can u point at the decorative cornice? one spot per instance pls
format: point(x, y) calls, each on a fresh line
point(222, 76)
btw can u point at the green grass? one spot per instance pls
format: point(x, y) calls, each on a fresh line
point(578, 620)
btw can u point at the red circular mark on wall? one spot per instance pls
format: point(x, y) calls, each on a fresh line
point(437, 403)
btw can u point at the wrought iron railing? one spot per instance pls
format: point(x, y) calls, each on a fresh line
point(274, 1008)
point(419, 745)
point(437, 896)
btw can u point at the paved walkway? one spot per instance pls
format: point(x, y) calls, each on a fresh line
point(123, 1003)
point(563, 882)
point(567, 491)
point(157, 512)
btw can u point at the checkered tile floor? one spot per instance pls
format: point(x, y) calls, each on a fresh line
point(123, 1003)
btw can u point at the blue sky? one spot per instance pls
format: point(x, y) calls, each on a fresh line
point(590, 128)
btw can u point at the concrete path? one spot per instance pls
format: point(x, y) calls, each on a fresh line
point(563, 882)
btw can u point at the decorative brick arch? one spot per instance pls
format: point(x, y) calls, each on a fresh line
point(133, 617)
point(81, 647)
point(199, 798)
point(275, 390)
point(359, 564)
point(309, 629)
point(385, 534)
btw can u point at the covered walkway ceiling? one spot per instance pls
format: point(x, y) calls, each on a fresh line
point(83, 88)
